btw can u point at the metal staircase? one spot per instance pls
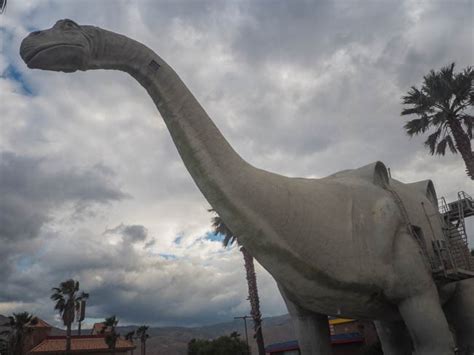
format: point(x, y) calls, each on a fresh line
point(458, 264)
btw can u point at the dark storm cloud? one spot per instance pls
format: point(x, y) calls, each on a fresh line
point(30, 192)
point(439, 38)
point(169, 293)
point(132, 233)
point(352, 64)
point(304, 32)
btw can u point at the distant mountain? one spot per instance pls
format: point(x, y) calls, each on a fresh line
point(174, 340)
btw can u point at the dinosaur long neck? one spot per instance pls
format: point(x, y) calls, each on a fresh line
point(216, 168)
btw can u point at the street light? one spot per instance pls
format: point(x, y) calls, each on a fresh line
point(246, 333)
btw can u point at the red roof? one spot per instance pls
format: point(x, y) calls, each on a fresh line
point(80, 344)
point(100, 328)
point(39, 323)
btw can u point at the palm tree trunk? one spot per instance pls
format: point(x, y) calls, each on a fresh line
point(68, 338)
point(463, 145)
point(19, 344)
point(254, 300)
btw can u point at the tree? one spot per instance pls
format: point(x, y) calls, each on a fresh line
point(111, 336)
point(67, 300)
point(130, 336)
point(220, 227)
point(5, 337)
point(223, 345)
point(3, 346)
point(442, 104)
point(19, 329)
point(143, 336)
point(3, 5)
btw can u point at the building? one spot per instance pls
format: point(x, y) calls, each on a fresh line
point(81, 344)
point(39, 331)
point(348, 337)
point(40, 341)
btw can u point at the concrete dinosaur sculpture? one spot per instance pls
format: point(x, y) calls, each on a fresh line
point(341, 245)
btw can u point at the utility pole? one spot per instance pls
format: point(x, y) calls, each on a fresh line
point(81, 313)
point(245, 324)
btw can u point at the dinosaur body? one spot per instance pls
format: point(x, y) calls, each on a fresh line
point(336, 246)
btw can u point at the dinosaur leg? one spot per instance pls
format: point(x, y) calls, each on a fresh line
point(312, 329)
point(427, 324)
point(394, 338)
point(460, 313)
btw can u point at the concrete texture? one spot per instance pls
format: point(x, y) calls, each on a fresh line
point(338, 246)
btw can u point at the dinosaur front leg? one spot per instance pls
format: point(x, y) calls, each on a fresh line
point(394, 338)
point(427, 324)
point(460, 313)
point(312, 329)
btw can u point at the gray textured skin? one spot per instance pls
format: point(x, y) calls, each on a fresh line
point(336, 246)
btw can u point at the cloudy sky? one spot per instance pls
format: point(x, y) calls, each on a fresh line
point(92, 187)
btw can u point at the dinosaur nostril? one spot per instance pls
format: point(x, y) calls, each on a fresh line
point(34, 33)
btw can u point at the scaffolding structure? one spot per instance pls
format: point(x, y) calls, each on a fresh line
point(454, 259)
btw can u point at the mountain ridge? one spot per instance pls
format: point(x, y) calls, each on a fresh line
point(173, 340)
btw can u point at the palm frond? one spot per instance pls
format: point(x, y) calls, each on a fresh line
point(219, 227)
point(432, 140)
point(130, 335)
point(468, 122)
point(417, 126)
point(441, 147)
point(111, 321)
point(439, 118)
point(451, 145)
point(438, 86)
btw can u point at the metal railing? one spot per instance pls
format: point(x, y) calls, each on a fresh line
point(454, 214)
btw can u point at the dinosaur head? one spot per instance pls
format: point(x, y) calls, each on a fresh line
point(64, 47)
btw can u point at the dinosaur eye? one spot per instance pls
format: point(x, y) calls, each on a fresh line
point(68, 24)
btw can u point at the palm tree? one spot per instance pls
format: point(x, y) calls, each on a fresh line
point(130, 336)
point(3, 5)
point(219, 227)
point(5, 336)
point(67, 300)
point(19, 329)
point(442, 103)
point(143, 336)
point(110, 336)
point(3, 345)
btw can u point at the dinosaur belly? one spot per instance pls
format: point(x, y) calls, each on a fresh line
point(360, 301)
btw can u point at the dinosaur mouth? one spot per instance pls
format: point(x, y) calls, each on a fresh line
point(31, 55)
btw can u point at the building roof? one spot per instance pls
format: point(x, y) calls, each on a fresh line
point(334, 321)
point(335, 339)
point(286, 346)
point(100, 328)
point(39, 323)
point(80, 344)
